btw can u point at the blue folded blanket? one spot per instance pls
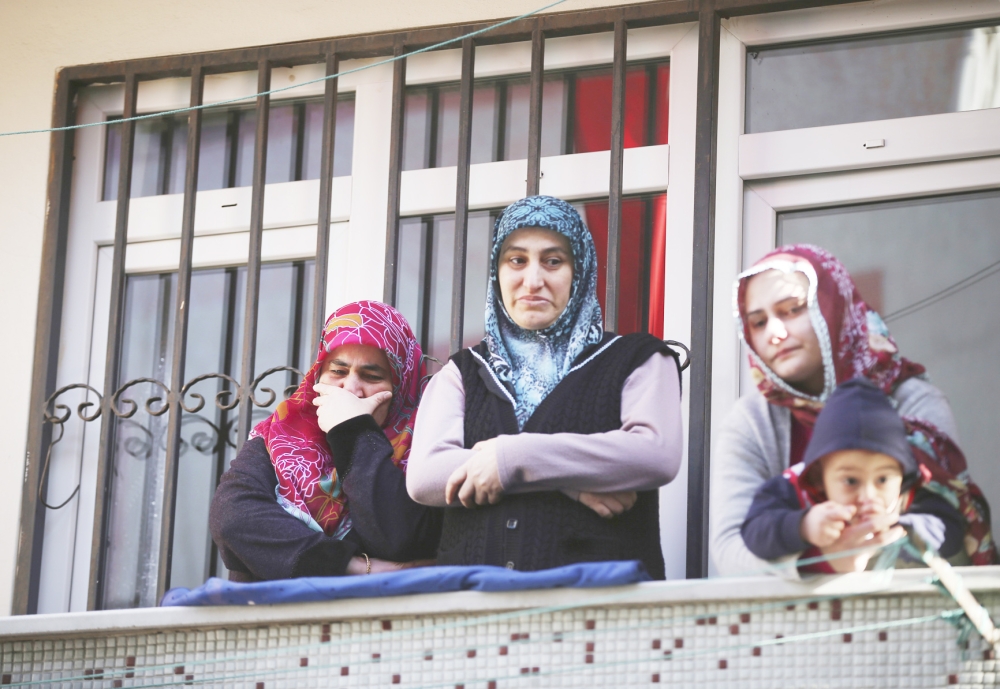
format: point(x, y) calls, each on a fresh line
point(420, 580)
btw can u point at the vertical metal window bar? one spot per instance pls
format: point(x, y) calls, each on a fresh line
point(46, 354)
point(395, 174)
point(617, 167)
point(462, 193)
point(535, 109)
point(114, 351)
point(171, 461)
point(325, 196)
point(702, 289)
point(253, 260)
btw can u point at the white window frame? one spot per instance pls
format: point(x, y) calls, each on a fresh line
point(761, 175)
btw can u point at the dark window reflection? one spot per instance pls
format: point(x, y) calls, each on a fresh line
point(208, 436)
point(295, 135)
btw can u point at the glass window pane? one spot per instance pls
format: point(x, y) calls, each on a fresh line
point(417, 128)
point(282, 142)
point(446, 149)
point(412, 273)
point(112, 159)
point(245, 131)
point(516, 125)
point(343, 154)
point(479, 243)
point(554, 93)
point(178, 156)
point(878, 78)
point(148, 158)
point(484, 124)
point(425, 275)
point(576, 116)
point(643, 233)
point(214, 153)
point(209, 435)
point(135, 509)
point(284, 338)
point(931, 267)
point(343, 149)
point(646, 95)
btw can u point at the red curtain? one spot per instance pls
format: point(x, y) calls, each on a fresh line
point(592, 132)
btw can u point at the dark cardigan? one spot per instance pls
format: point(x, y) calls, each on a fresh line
point(532, 531)
point(258, 540)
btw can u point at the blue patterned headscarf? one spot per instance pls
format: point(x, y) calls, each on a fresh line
point(532, 362)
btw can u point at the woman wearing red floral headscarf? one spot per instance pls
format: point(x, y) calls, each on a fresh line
point(808, 330)
point(319, 489)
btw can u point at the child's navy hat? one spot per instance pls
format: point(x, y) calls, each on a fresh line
point(859, 416)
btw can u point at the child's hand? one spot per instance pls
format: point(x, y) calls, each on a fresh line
point(864, 534)
point(824, 523)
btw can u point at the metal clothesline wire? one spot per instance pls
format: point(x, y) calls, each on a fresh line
point(948, 291)
point(205, 106)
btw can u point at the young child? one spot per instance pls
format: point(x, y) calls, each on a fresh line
point(857, 482)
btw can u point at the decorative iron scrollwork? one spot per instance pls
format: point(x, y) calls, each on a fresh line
point(272, 395)
point(220, 397)
point(212, 439)
point(687, 352)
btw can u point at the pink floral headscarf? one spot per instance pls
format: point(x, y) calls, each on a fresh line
point(308, 485)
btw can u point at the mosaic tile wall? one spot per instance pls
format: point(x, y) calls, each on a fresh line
point(875, 641)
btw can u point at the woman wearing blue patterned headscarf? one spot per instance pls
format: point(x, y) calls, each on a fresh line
point(534, 361)
point(552, 434)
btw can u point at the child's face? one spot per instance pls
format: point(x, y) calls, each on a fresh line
point(868, 480)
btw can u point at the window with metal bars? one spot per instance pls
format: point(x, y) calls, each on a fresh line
point(575, 115)
point(146, 159)
point(208, 436)
point(227, 142)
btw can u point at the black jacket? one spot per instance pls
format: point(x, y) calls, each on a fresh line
point(539, 530)
point(258, 540)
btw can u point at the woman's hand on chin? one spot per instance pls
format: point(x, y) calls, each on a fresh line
point(609, 505)
point(335, 405)
point(477, 482)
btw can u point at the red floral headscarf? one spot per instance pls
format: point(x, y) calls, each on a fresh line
point(854, 343)
point(853, 339)
point(308, 485)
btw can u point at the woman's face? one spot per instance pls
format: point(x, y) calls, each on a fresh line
point(777, 317)
point(535, 275)
point(362, 370)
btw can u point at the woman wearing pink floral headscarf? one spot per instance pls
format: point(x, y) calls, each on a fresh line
point(808, 330)
point(319, 488)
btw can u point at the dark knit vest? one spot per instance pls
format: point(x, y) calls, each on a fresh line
point(540, 530)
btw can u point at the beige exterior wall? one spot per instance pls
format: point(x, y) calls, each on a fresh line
point(38, 38)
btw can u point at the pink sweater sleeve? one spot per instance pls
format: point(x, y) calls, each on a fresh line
point(438, 438)
point(645, 453)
